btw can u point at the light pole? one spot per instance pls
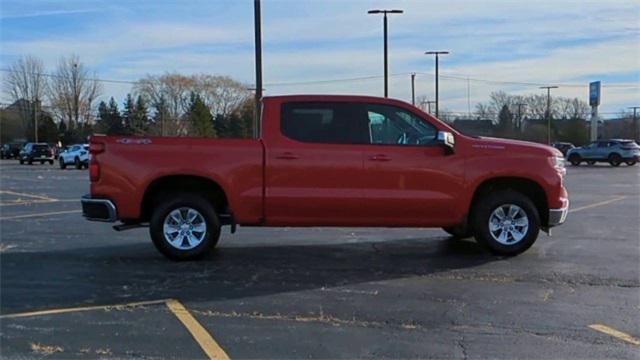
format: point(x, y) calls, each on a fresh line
point(437, 53)
point(258, 49)
point(635, 122)
point(413, 89)
point(548, 111)
point(386, 61)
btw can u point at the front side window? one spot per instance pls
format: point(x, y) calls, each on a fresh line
point(390, 125)
point(322, 122)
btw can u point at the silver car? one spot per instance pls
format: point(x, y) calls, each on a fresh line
point(614, 151)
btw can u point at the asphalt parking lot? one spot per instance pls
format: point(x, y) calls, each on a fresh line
point(76, 289)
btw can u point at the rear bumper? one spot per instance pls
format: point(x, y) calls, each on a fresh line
point(558, 216)
point(98, 209)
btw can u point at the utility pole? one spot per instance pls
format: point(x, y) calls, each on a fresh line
point(413, 89)
point(35, 118)
point(519, 124)
point(386, 51)
point(548, 112)
point(635, 123)
point(437, 53)
point(257, 18)
point(428, 107)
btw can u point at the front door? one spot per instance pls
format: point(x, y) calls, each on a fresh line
point(409, 178)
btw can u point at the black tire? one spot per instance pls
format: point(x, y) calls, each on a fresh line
point(630, 162)
point(591, 162)
point(62, 164)
point(177, 201)
point(41, 162)
point(30, 161)
point(615, 159)
point(483, 210)
point(77, 163)
point(459, 232)
point(575, 159)
point(50, 162)
point(21, 162)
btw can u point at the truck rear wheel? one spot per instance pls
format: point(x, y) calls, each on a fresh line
point(506, 222)
point(184, 226)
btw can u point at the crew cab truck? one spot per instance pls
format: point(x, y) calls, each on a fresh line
point(320, 160)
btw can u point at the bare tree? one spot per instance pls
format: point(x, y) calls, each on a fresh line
point(222, 94)
point(25, 84)
point(170, 92)
point(72, 91)
point(573, 108)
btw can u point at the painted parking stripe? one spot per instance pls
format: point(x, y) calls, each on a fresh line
point(81, 308)
point(34, 196)
point(616, 333)
point(204, 339)
point(601, 203)
point(39, 214)
point(31, 202)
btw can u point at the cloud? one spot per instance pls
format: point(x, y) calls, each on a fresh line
point(540, 42)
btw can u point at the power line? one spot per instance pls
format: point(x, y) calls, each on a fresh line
point(363, 78)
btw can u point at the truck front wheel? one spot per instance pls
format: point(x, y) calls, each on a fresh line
point(506, 222)
point(184, 227)
point(459, 232)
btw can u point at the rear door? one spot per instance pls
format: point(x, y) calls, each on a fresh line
point(409, 179)
point(314, 167)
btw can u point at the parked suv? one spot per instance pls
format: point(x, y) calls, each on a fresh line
point(564, 147)
point(614, 151)
point(77, 155)
point(9, 151)
point(36, 152)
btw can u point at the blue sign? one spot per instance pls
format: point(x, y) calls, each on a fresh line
point(594, 93)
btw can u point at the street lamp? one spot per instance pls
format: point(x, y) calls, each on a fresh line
point(386, 62)
point(437, 53)
point(257, 21)
point(548, 111)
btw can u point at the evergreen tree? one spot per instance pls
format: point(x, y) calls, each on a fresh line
point(161, 116)
point(128, 114)
point(109, 119)
point(505, 121)
point(139, 118)
point(221, 124)
point(200, 118)
point(236, 126)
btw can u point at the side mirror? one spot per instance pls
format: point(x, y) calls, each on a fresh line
point(447, 140)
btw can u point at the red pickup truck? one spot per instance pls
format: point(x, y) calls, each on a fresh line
point(329, 161)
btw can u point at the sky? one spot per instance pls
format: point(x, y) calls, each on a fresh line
point(305, 42)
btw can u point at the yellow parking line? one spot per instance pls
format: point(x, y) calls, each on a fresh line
point(206, 341)
point(37, 202)
point(81, 308)
point(598, 204)
point(41, 197)
point(616, 333)
point(39, 214)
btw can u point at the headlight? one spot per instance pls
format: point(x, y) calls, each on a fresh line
point(558, 163)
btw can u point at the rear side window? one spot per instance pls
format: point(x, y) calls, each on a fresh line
point(329, 123)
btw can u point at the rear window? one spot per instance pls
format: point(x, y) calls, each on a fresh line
point(40, 147)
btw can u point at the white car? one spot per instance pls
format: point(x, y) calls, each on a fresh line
point(77, 155)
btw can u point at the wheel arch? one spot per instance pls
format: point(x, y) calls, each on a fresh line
point(528, 187)
point(171, 184)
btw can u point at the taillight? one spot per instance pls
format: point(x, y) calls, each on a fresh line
point(96, 148)
point(94, 171)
